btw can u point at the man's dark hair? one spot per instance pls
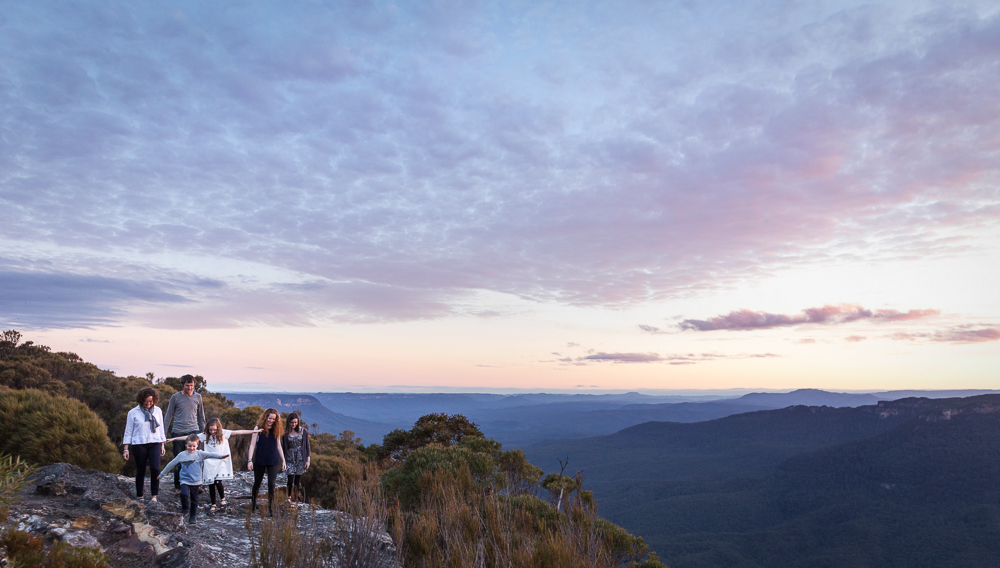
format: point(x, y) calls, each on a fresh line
point(187, 379)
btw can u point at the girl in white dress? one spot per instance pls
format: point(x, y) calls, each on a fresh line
point(216, 440)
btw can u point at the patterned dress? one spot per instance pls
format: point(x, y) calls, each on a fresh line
point(293, 456)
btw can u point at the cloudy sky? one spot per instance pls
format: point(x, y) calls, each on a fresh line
point(367, 195)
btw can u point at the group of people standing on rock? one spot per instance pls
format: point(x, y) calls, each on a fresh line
point(272, 445)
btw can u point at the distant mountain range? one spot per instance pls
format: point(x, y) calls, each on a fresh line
point(911, 482)
point(313, 412)
point(523, 419)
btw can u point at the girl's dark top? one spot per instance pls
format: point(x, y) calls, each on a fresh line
point(305, 443)
point(266, 451)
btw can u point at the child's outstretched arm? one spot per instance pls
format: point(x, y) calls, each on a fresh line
point(241, 432)
point(170, 465)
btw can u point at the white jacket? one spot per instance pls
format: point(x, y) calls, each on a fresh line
point(137, 429)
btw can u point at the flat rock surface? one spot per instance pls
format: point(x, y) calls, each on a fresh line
point(99, 510)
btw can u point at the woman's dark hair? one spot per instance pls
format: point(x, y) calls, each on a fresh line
point(288, 422)
point(145, 393)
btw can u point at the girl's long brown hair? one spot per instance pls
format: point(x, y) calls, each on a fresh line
point(278, 429)
point(218, 430)
point(288, 422)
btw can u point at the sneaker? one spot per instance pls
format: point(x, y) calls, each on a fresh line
point(184, 512)
point(191, 520)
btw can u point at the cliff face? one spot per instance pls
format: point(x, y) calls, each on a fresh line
point(98, 510)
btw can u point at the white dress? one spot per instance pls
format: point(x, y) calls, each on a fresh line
point(217, 468)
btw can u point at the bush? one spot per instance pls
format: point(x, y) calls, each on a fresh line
point(45, 429)
point(328, 477)
point(25, 549)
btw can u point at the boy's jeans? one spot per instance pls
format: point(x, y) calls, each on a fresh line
point(189, 493)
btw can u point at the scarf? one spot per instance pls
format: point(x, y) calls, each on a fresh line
point(148, 413)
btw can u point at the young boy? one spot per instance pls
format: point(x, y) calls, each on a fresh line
point(190, 462)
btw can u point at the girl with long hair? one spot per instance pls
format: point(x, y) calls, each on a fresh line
point(216, 440)
point(266, 455)
point(295, 446)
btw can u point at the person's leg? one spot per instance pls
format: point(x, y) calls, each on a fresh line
point(185, 498)
point(291, 484)
point(211, 492)
point(272, 474)
point(153, 458)
point(258, 477)
point(222, 492)
point(178, 448)
point(140, 453)
point(194, 502)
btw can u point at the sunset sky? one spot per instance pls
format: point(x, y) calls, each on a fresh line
point(431, 195)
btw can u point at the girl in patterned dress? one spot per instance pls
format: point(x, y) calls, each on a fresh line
point(295, 444)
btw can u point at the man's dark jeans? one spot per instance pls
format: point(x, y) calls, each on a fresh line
point(178, 448)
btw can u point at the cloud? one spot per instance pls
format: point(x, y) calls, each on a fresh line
point(855, 338)
point(624, 357)
point(743, 320)
point(180, 366)
point(675, 359)
point(396, 154)
point(651, 329)
point(959, 335)
point(62, 300)
point(89, 340)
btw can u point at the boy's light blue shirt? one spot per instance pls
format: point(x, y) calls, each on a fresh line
point(190, 463)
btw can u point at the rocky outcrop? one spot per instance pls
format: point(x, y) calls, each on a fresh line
point(99, 510)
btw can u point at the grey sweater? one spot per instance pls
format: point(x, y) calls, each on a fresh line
point(184, 414)
point(190, 463)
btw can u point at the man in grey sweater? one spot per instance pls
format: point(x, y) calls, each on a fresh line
point(185, 415)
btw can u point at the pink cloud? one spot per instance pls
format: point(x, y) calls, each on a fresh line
point(855, 338)
point(675, 359)
point(744, 319)
point(959, 335)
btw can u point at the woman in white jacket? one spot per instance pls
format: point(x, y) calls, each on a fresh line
point(144, 439)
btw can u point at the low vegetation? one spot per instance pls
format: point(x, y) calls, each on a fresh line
point(448, 495)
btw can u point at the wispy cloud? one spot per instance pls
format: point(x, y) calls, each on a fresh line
point(960, 335)
point(394, 154)
point(743, 320)
point(62, 300)
point(673, 359)
point(179, 366)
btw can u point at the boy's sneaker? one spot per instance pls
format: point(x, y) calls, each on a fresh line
point(184, 512)
point(191, 520)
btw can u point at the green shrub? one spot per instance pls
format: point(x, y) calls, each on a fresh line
point(328, 477)
point(45, 429)
point(25, 549)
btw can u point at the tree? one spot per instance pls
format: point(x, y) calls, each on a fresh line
point(439, 429)
point(8, 343)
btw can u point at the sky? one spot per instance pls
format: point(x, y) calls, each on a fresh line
point(441, 195)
